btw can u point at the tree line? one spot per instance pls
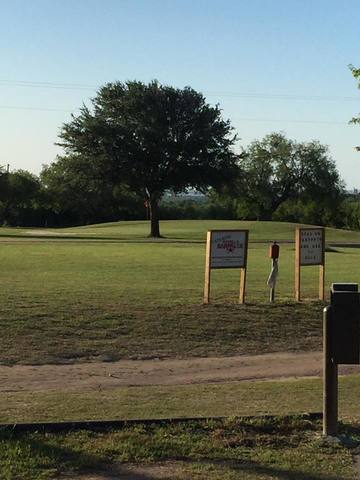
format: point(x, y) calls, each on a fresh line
point(277, 179)
point(138, 143)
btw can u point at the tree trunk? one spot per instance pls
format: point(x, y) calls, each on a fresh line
point(154, 218)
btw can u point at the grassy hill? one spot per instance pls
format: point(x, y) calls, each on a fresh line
point(177, 230)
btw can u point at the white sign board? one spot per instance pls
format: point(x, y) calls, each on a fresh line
point(228, 248)
point(311, 246)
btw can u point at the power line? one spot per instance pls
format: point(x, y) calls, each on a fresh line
point(66, 86)
point(261, 96)
point(266, 96)
point(40, 109)
point(271, 120)
point(234, 120)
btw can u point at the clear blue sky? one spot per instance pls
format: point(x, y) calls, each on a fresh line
point(273, 65)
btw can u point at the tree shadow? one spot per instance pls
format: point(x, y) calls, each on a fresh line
point(250, 466)
point(218, 467)
point(350, 435)
point(69, 460)
point(350, 429)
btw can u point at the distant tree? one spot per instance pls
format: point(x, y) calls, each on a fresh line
point(77, 193)
point(20, 197)
point(154, 139)
point(356, 74)
point(279, 172)
point(3, 182)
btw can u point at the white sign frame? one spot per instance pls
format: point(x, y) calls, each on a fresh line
point(300, 247)
point(237, 239)
point(311, 239)
point(223, 243)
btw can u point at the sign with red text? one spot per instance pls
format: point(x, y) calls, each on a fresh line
point(228, 248)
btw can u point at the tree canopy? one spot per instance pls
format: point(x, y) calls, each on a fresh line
point(279, 175)
point(152, 138)
point(20, 197)
point(77, 193)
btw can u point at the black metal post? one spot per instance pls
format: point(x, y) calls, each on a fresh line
point(330, 381)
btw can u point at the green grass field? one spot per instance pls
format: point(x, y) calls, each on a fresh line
point(286, 397)
point(107, 292)
point(250, 449)
point(175, 230)
point(67, 299)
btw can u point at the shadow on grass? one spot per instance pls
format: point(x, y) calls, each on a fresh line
point(251, 467)
point(65, 460)
point(45, 457)
point(351, 431)
point(40, 455)
point(175, 469)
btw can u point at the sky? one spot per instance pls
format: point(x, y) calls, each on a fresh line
point(271, 65)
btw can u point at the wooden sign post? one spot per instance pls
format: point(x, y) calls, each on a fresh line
point(310, 250)
point(226, 249)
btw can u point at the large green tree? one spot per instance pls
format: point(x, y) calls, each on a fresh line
point(279, 172)
point(153, 138)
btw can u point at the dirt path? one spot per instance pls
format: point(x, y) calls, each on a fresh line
point(89, 376)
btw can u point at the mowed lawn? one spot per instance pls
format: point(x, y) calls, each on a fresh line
point(255, 448)
point(275, 397)
point(176, 230)
point(252, 448)
point(65, 299)
point(231, 449)
point(107, 292)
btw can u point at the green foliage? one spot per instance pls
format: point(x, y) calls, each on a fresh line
point(153, 138)
point(250, 449)
point(21, 198)
point(351, 211)
point(77, 193)
point(311, 212)
point(285, 180)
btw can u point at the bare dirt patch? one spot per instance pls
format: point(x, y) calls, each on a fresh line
point(92, 376)
point(161, 471)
